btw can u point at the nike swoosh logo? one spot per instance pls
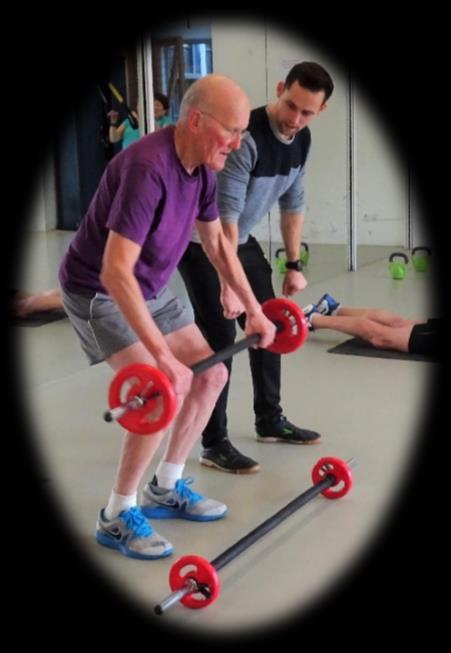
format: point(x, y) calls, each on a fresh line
point(169, 503)
point(117, 534)
point(172, 503)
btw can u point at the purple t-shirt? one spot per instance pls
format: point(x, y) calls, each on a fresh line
point(146, 195)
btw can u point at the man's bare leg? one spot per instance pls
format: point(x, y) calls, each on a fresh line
point(377, 315)
point(379, 335)
point(194, 412)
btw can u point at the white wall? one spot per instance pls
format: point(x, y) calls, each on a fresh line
point(239, 51)
point(326, 178)
point(42, 208)
point(258, 57)
point(382, 192)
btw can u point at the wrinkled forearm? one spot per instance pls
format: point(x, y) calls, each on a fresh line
point(222, 255)
point(231, 232)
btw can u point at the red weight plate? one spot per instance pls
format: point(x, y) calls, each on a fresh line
point(291, 323)
point(147, 382)
point(200, 570)
point(341, 472)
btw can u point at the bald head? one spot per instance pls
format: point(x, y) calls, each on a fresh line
point(212, 93)
point(214, 114)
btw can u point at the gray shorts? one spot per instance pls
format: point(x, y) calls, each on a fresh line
point(103, 330)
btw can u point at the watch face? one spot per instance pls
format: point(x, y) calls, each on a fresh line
point(294, 265)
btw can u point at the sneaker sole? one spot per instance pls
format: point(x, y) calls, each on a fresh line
point(160, 512)
point(286, 440)
point(212, 465)
point(117, 546)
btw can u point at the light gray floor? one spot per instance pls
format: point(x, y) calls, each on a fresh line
point(365, 408)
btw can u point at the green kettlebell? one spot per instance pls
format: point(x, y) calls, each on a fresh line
point(280, 262)
point(304, 254)
point(397, 268)
point(421, 261)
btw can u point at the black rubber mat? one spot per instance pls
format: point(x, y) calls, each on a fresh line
point(359, 347)
point(39, 318)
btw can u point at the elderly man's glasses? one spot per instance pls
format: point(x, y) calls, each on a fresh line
point(234, 133)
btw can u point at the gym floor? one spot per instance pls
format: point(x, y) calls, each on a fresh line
point(366, 408)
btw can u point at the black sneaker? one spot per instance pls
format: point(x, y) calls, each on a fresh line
point(285, 431)
point(225, 457)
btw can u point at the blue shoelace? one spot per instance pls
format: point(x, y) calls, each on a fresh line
point(184, 492)
point(134, 519)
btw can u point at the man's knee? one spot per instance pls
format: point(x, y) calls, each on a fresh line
point(375, 334)
point(383, 337)
point(380, 342)
point(213, 378)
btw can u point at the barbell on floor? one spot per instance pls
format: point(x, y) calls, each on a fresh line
point(194, 581)
point(142, 398)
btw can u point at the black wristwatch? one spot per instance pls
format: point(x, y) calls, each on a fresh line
point(295, 265)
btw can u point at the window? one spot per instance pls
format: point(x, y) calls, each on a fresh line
point(177, 63)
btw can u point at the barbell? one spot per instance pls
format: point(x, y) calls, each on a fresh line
point(194, 581)
point(142, 398)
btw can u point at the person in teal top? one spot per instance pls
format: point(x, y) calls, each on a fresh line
point(128, 134)
point(161, 110)
point(123, 132)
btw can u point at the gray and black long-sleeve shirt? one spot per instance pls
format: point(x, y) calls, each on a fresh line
point(265, 169)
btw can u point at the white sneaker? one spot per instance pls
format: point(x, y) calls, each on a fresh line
point(308, 311)
point(179, 503)
point(131, 534)
point(327, 305)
